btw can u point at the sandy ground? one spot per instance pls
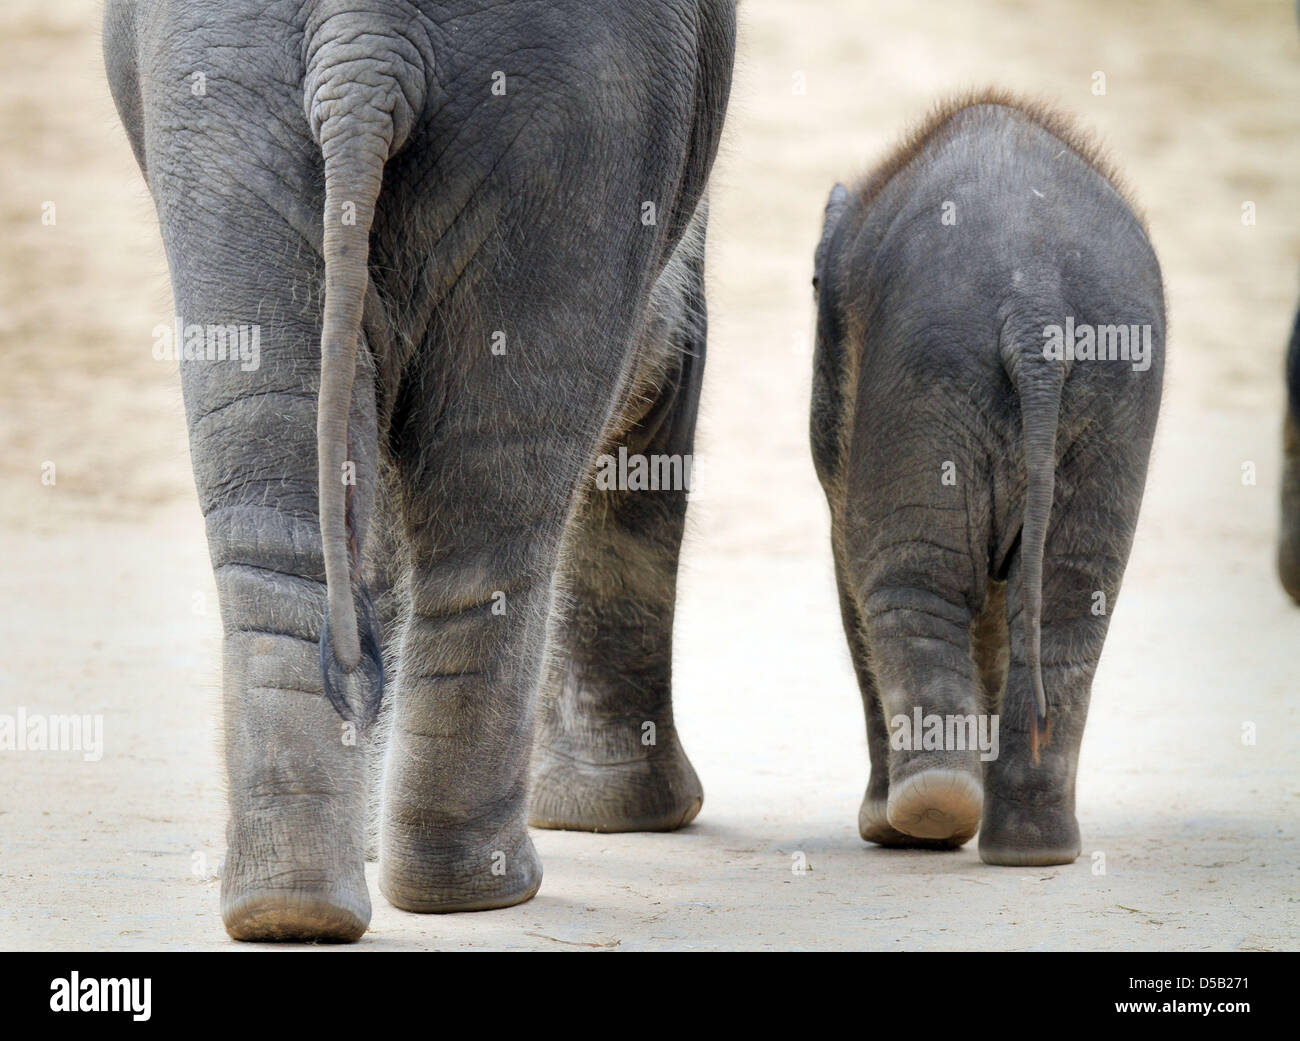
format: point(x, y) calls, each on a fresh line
point(110, 609)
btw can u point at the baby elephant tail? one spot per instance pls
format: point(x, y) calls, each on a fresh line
point(359, 116)
point(1038, 381)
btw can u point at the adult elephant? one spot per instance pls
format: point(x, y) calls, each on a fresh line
point(469, 238)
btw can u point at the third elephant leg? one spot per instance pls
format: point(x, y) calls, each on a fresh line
point(608, 756)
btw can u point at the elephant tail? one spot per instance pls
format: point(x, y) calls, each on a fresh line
point(359, 117)
point(1038, 381)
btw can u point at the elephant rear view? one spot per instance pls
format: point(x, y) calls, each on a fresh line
point(469, 241)
point(990, 347)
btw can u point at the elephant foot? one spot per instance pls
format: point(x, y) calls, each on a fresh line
point(297, 893)
point(340, 915)
point(936, 804)
point(874, 826)
point(437, 870)
point(660, 792)
point(1021, 835)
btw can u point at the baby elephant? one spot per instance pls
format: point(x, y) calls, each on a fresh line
point(990, 344)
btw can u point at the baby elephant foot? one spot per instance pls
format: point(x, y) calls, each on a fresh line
point(1020, 834)
point(874, 826)
point(941, 804)
point(582, 789)
point(477, 866)
point(286, 879)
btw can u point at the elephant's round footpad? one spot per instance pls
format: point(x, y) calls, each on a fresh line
point(937, 804)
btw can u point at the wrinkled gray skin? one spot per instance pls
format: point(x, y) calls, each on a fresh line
point(474, 215)
point(929, 352)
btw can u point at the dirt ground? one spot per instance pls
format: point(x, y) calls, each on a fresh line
point(1190, 834)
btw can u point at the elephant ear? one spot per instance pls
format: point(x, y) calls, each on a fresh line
point(835, 206)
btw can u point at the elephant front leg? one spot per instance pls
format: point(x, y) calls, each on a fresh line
point(608, 756)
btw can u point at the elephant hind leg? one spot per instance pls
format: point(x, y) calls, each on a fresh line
point(944, 805)
point(1029, 811)
point(921, 666)
point(294, 869)
point(873, 813)
point(939, 804)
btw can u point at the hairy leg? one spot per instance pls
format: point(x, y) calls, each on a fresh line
point(608, 756)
